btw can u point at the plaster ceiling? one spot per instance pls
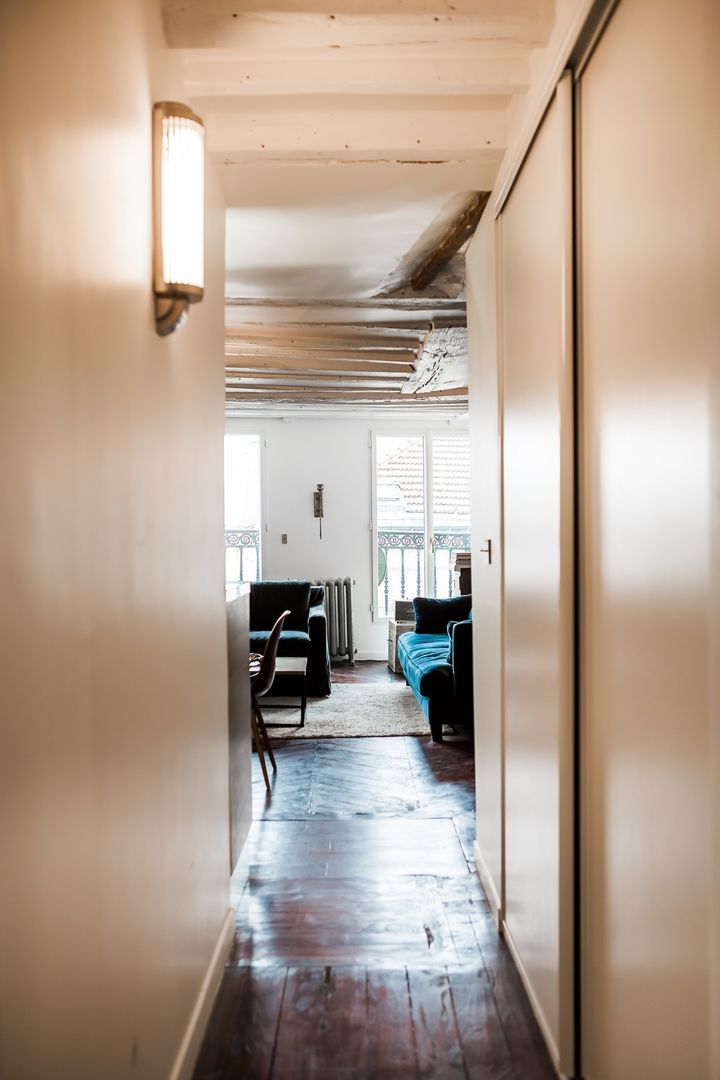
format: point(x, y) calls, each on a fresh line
point(338, 249)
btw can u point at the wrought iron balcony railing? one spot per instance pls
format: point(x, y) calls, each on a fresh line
point(401, 561)
point(401, 564)
point(242, 555)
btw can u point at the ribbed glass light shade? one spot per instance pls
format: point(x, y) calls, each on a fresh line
point(180, 216)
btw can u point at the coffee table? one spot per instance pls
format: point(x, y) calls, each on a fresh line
point(291, 666)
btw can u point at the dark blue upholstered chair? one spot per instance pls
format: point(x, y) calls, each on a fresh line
point(304, 631)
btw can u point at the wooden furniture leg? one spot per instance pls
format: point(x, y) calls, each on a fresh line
point(259, 747)
point(303, 701)
point(265, 736)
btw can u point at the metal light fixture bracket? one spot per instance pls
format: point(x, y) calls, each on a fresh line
point(170, 314)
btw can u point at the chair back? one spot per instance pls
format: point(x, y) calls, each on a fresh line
point(261, 683)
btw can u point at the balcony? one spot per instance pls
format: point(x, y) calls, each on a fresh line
point(242, 555)
point(401, 564)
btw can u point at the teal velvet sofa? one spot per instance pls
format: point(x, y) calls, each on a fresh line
point(436, 659)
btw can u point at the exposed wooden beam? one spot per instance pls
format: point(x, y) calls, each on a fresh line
point(317, 384)
point(327, 394)
point(427, 128)
point(339, 335)
point(442, 364)
point(379, 377)
point(314, 363)
point(418, 303)
point(311, 391)
point(483, 69)
point(289, 26)
point(368, 408)
point(450, 243)
point(325, 352)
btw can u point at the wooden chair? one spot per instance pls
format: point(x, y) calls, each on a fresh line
point(262, 674)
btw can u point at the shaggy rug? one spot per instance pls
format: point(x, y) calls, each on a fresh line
point(352, 711)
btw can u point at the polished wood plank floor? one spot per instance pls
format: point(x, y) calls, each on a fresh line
point(364, 945)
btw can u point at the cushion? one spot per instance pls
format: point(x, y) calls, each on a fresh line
point(268, 599)
point(292, 642)
point(433, 616)
point(423, 659)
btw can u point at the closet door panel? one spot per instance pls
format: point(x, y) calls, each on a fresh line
point(647, 113)
point(536, 343)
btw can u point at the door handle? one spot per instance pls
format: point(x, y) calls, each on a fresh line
point(487, 551)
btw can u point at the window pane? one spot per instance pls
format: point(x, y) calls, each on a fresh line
point(242, 508)
point(451, 508)
point(400, 518)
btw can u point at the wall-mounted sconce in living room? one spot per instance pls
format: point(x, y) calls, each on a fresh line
point(318, 505)
point(179, 213)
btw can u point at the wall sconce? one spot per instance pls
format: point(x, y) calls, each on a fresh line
point(318, 507)
point(179, 213)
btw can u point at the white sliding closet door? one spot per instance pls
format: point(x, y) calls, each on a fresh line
point(486, 503)
point(650, 115)
point(536, 346)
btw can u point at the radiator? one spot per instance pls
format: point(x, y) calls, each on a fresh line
point(338, 611)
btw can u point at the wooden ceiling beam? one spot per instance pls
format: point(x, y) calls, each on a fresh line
point(443, 363)
point(289, 27)
point(460, 230)
point(319, 334)
point(416, 303)
point(249, 394)
point(427, 128)
point(310, 393)
point(382, 378)
point(482, 69)
point(326, 352)
point(315, 363)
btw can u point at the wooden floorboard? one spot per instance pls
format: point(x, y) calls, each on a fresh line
point(365, 947)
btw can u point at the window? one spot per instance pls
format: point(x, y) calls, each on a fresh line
point(422, 515)
point(243, 560)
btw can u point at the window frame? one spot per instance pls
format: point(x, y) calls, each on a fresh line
point(428, 435)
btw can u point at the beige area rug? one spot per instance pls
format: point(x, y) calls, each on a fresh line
point(352, 711)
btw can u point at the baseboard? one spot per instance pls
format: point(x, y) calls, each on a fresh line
point(190, 1046)
point(371, 655)
point(534, 1003)
point(488, 884)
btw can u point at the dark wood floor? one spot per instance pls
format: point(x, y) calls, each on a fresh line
point(364, 945)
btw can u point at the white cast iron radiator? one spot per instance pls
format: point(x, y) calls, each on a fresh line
point(338, 611)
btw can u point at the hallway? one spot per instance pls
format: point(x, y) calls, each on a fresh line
point(364, 944)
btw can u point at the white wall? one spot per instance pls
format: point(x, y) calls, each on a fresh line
point(298, 455)
point(113, 785)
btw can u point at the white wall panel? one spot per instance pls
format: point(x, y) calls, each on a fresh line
point(649, 115)
point(486, 496)
point(536, 322)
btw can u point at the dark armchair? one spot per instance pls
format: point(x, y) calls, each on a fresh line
point(304, 632)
